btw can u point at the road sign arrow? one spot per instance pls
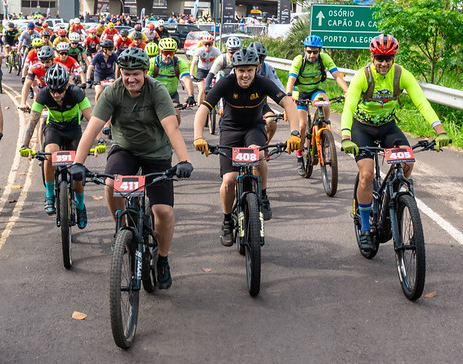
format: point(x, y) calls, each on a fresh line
point(320, 16)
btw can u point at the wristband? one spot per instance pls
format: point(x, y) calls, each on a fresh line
point(346, 132)
point(436, 123)
point(289, 94)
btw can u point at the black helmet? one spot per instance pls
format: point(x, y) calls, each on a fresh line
point(124, 32)
point(45, 53)
point(137, 35)
point(133, 58)
point(137, 27)
point(107, 43)
point(245, 57)
point(259, 48)
point(57, 77)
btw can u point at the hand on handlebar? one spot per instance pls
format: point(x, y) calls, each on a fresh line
point(24, 108)
point(25, 151)
point(350, 147)
point(293, 143)
point(184, 169)
point(201, 146)
point(442, 140)
point(78, 172)
point(190, 101)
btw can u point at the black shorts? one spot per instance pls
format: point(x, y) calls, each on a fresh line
point(175, 98)
point(365, 135)
point(11, 42)
point(67, 139)
point(308, 96)
point(241, 138)
point(201, 73)
point(98, 77)
point(121, 161)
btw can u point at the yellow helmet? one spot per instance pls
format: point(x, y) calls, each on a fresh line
point(111, 25)
point(151, 49)
point(167, 44)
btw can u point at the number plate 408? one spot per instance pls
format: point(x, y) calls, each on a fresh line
point(245, 157)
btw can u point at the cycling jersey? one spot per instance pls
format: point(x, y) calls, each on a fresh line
point(206, 58)
point(100, 29)
point(164, 33)
point(37, 71)
point(59, 40)
point(91, 44)
point(102, 67)
point(382, 110)
point(222, 65)
point(69, 64)
point(31, 58)
point(144, 37)
point(74, 52)
point(26, 37)
point(11, 36)
point(166, 74)
point(310, 78)
point(109, 34)
point(268, 71)
point(142, 45)
point(121, 44)
point(66, 116)
point(77, 28)
point(151, 36)
point(242, 106)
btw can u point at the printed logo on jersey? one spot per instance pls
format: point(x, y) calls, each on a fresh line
point(235, 96)
point(382, 96)
point(254, 96)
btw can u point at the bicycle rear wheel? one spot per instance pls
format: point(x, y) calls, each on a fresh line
point(18, 64)
point(411, 256)
point(213, 121)
point(252, 247)
point(66, 233)
point(149, 254)
point(330, 168)
point(9, 63)
point(123, 299)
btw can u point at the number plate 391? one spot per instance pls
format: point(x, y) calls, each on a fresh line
point(63, 158)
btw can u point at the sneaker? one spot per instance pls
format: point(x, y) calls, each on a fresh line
point(49, 205)
point(163, 274)
point(81, 218)
point(366, 243)
point(226, 235)
point(266, 209)
point(300, 167)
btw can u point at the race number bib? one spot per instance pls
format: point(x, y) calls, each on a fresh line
point(321, 102)
point(399, 155)
point(63, 158)
point(125, 185)
point(245, 157)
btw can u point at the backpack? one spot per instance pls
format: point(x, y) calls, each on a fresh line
point(368, 95)
point(157, 65)
point(321, 67)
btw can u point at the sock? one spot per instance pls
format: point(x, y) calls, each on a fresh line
point(227, 217)
point(50, 186)
point(162, 259)
point(365, 216)
point(299, 154)
point(80, 200)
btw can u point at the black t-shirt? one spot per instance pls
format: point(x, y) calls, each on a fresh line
point(242, 106)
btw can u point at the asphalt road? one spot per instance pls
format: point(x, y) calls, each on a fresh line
point(320, 300)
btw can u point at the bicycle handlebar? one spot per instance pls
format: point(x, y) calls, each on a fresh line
point(423, 144)
point(308, 101)
point(43, 155)
point(276, 117)
point(216, 149)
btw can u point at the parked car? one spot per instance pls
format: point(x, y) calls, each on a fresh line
point(120, 27)
point(179, 32)
point(193, 38)
point(52, 22)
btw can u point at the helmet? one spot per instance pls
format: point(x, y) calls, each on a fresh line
point(137, 27)
point(160, 23)
point(30, 25)
point(233, 43)
point(45, 53)
point(10, 25)
point(57, 77)
point(71, 21)
point(133, 58)
point(384, 44)
point(313, 41)
point(42, 18)
point(45, 25)
point(124, 33)
point(62, 32)
point(76, 21)
point(137, 35)
point(62, 46)
point(151, 49)
point(107, 44)
point(37, 42)
point(207, 38)
point(111, 25)
point(46, 33)
point(245, 57)
point(74, 37)
point(92, 30)
point(168, 44)
point(151, 26)
point(259, 48)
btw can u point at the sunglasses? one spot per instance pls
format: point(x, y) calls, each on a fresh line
point(312, 52)
point(381, 58)
point(75, 43)
point(59, 91)
point(168, 53)
point(207, 44)
point(63, 53)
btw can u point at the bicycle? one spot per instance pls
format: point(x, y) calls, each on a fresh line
point(135, 251)
point(319, 145)
point(13, 60)
point(65, 198)
point(394, 214)
point(248, 231)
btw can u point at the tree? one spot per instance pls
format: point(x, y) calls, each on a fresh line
point(430, 34)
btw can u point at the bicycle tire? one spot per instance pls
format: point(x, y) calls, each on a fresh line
point(357, 224)
point(123, 299)
point(308, 160)
point(1, 86)
point(18, 64)
point(411, 267)
point(66, 232)
point(330, 168)
point(9, 63)
point(252, 247)
point(149, 254)
point(213, 121)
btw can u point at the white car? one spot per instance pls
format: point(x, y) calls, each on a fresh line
point(52, 22)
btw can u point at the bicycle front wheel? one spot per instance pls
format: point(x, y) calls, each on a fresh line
point(123, 299)
point(330, 167)
point(410, 256)
point(18, 64)
point(9, 63)
point(66, 233)
point(252, 247)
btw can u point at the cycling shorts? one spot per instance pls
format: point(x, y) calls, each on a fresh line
point(241, 138)
point(175, 98)
point(121, 161)
point(308, 96)
point(201, 73)
point(98, 77)
point(67, 139)
point(11, 42)
point(365, 135)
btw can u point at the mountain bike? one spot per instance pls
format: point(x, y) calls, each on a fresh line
point(319, 145)
point(13, 60)
point(248, 233)
point(394, 214)
point(135, 251)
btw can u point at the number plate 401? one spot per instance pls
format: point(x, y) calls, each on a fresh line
point(399, 155)
point(133, 185)
point(245, 157)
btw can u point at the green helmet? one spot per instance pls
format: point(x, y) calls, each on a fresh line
point(133, 58)
point(151, 49)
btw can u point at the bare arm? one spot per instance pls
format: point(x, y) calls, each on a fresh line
point(33, 120)
point(290, 84)
point(192, 67)
point(91, 131)
point(291, 112)
point(170, 125)
point(200, 121)
point(27, 85)
point(337, 76)
point(188, 85)
point(89, 71)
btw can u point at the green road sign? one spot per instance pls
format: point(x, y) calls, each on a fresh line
point(343, 26)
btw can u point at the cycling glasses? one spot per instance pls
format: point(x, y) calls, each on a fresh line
point(74, 43)
point(380, 58)
point(63, 53)
point(168, 53)
point(58, 91)
point(312, 52)
point(208, 44)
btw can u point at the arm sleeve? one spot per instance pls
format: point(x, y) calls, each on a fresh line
point(358, 85)
point(328, 62)
point(84, 104)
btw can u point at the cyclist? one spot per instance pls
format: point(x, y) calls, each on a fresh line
point(45, 28)
point(31, 57)
point(161, 30)
point(61, 38)
point(204, 58)
point(137, 41)
point(151, 34)
point(305, 76)
point(91, 43)
point(110, 32)
point(69, 62)
point(46, 38)
point(76, 49)
point(123, 42)
point(144, 132)
point(10, 37)
point(102, 66)
point(241, 125)
point(64, 102)
point(168, 69)
point(371, 115)
point(25, 39)
point(100, 28)
point(138, 29)
point(266, 70)
point(78, 28)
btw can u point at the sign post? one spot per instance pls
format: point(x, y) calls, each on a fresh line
point(343, 26)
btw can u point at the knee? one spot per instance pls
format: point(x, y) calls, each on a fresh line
point(366, 177)
point(163, 213)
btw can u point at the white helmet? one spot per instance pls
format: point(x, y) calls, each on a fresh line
point(62, 46)
point(76, 20)
point(160, 22)
point(233, 43)
point(74, 37)
point(71, 21)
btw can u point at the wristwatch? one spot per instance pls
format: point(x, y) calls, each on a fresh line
point(296, 133)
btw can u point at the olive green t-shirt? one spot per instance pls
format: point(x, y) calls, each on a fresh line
point(135, 122)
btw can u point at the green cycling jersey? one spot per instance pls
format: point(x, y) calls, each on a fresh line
point(166, 74)
point(382, 109)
